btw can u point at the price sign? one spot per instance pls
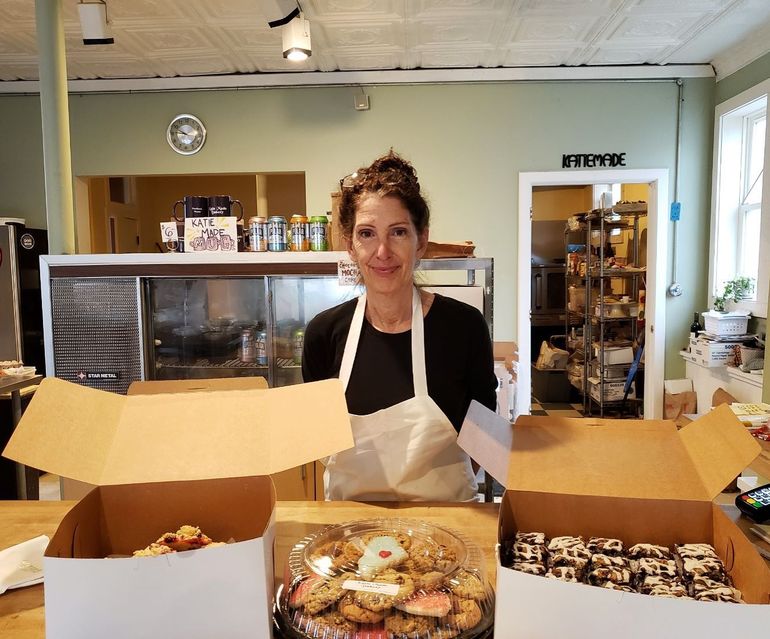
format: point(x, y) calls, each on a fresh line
point(211, 234)
point(347, 273)
point(168, 232)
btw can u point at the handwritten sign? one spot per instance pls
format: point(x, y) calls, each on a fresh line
point(168, 232)
point(347, 273)
point(211, 234)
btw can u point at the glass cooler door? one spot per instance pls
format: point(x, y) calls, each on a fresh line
point(207, 327)
point(297, 300)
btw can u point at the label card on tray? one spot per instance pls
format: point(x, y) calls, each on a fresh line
point(211, 234)
point(371, 586)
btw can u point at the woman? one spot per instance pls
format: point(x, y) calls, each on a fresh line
point(410, 361)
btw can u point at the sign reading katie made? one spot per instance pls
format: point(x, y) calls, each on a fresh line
point(211, 234)
point(592, 160)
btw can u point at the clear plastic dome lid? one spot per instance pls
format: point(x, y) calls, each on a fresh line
point(386, 578)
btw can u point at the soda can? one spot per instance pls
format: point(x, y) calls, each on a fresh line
point(257, 234)
point(299, 227)
point(297, 343)
point(319, 232)
point(260, 346)
point(277, 231)
point(247, 352)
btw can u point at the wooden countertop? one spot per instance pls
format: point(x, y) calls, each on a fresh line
point(21, 611)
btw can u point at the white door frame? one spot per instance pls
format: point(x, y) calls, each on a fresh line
point(655, 302)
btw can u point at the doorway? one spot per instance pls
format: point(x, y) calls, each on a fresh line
point(654, 330)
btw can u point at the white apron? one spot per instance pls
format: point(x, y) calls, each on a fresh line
point(407, 452)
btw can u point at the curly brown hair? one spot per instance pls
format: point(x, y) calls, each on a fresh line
point(389, 175)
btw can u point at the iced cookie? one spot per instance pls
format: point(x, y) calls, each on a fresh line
point(381, 552)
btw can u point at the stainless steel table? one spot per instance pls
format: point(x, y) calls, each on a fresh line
point(27, 484)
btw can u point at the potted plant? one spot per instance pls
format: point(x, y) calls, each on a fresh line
point(737, 289)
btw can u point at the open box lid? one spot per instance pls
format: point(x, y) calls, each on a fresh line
point(613, 458)
point(103, 438)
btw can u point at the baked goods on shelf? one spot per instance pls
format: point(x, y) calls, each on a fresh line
point(689, 571)
point(389, 578)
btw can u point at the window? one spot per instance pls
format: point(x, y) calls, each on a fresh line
point(740, 242)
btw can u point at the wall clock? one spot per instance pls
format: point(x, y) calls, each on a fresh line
point(186, 134)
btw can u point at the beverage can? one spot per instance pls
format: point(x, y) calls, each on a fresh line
point(297, 342)
point(299, 228)
point(247, 352)
point(277, 231)
point(319, 232)
point(257, 234)
point(260, 345)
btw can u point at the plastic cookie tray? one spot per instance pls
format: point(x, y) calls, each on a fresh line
point(385, 579)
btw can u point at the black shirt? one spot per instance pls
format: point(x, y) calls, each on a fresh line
point(458, 359)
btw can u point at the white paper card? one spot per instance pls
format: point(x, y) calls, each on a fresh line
point(168, 232)
point(347, 273)
point(22, 564)
point(211, 234)
point(370, 586)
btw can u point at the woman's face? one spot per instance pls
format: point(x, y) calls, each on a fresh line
point(385, 244)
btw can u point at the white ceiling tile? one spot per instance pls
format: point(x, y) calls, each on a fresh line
point(569, 7)
point(554, 29)
point(369, 33)
point(349, 61)
point(450, 8)
point(685, 6)
point(538, 57)
point(636, 55)
point(17, 13)
point(478, 32)
point(660, 27)
point(355, 9)
point(453, 58)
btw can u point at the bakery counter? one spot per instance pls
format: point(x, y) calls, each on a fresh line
point(21, 611)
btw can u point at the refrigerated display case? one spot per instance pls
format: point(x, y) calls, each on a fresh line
point(110, 320)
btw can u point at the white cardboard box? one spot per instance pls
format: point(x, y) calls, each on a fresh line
point(637, 480)
point(713, 353)
point(161, 461)
point(615, 354)
point(613, 389)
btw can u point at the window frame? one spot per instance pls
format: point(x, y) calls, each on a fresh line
point(730, 120)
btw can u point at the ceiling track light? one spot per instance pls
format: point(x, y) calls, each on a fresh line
point(94, 23)
point(296, 39)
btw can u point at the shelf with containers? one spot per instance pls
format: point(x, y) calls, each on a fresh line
point(605, 299)
point(110, 320)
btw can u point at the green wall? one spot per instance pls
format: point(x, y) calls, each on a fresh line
point(743, 79)
point(468, 143)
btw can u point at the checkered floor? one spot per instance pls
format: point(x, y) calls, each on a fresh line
point(556, 410)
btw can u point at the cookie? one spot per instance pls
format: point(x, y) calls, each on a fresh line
point(186, 538)
point(404, 540)
point(564, 573)
point(465, 614)
point(353, 612)
point(377, 601)
point(153, 550)
point(428, 580)
point(524, 552)
point(467, 585)
point(329, 624)
point(423, 556)
point(402, 624)
point(696, 551)
point(565, 541)
point(326, 592)
point(608, 561)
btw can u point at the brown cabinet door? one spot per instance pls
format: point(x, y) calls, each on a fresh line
point(296, 484)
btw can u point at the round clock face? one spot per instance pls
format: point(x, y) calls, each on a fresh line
point(186, 134)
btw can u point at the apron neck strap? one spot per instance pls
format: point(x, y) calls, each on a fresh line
point(419, 376)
